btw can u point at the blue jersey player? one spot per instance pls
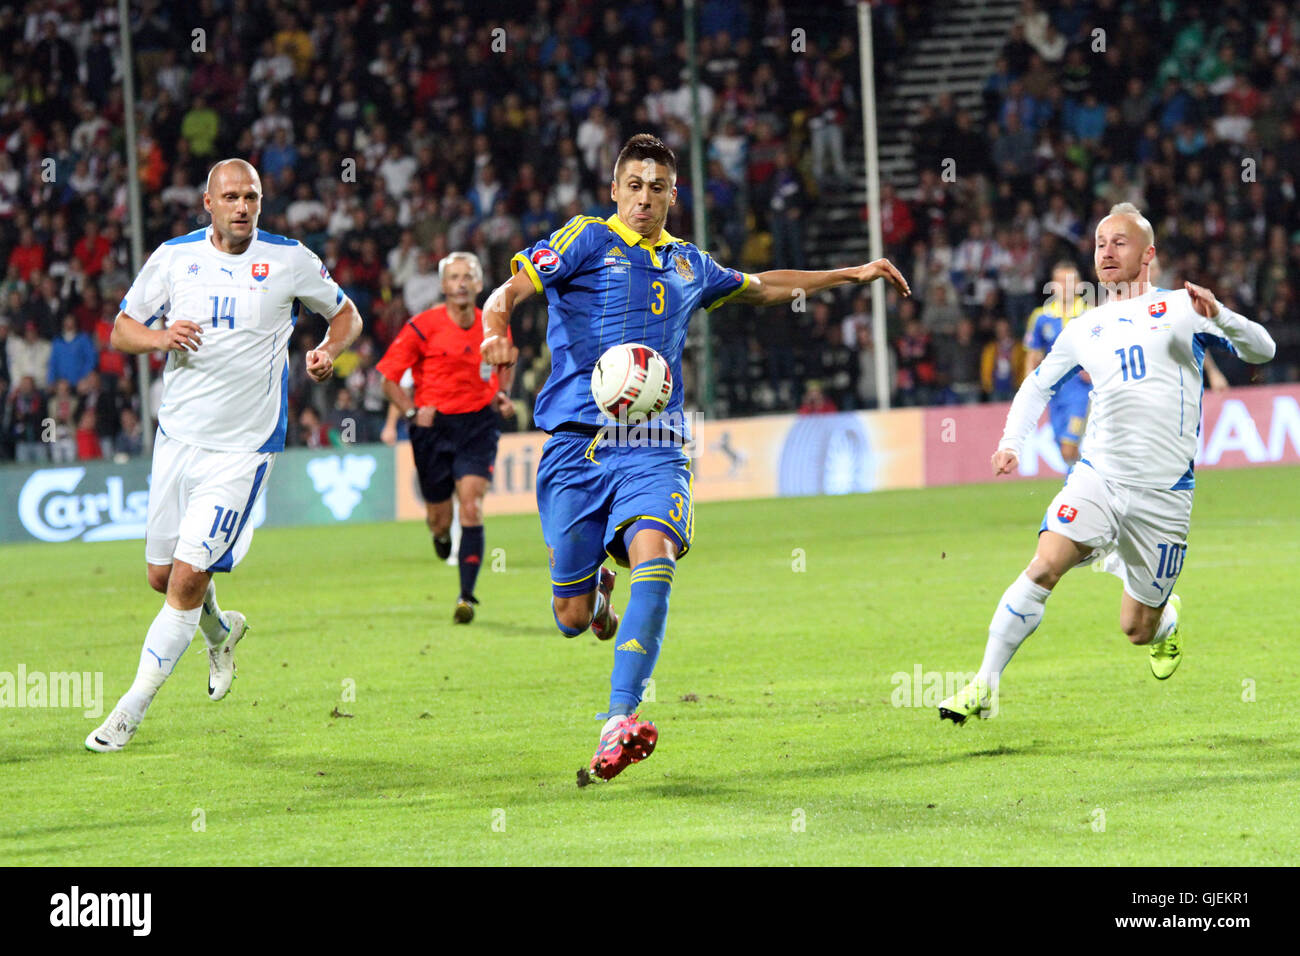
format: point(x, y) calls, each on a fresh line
point(609, 281)
point(1068, 409)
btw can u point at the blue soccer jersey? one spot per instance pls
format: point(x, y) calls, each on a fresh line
point(1068, 409)
point(605, 285)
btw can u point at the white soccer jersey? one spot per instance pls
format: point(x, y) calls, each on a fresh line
point(1145, 357)
point(233, 393)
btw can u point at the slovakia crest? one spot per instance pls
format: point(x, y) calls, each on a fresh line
point(1156, 309)
point(545, 261)
point(261, 270)
point(1065, 514)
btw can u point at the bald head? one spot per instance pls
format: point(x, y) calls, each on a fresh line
point(240, 167)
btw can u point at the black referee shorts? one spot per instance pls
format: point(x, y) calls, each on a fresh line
point(454, 446)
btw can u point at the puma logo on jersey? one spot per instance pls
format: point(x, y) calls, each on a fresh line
point(340, 481)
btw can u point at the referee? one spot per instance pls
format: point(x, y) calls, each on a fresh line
point(453, 415)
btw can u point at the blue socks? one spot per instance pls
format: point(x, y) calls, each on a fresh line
point(640, 634)
point(471, 559)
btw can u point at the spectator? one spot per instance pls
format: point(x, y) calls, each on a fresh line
point(815, 401)
point(101, 399)
point(61, 409)
point(867, 377)
point(941, 313)
point(5, 377)
point(916, 369)
point(24, 422)
point(423, 288)
point(72, 355)
point(1002, 364)
point(860, 317)
point(786, 214)
point(28, 256)
point(130, 437)
point(88, 443)
point(826, 100)
point(958, 358)
point(29, 356)
point(200, 127)
point(311, 433)
point(45, 308)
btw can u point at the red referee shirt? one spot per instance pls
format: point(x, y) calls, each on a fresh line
point(445, 361)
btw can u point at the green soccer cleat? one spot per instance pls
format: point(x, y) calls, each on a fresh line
point(973, 700)
point(1168, 654)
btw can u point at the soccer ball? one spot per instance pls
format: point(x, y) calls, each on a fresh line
point(631, 381)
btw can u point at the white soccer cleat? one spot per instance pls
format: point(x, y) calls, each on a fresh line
point(114, 733)
point(221, 659)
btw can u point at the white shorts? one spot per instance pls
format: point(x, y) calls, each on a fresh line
point(200, 502)
point(1138, 534)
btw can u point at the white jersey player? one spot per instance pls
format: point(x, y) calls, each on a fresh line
point(1129, 499)
point(222, 301)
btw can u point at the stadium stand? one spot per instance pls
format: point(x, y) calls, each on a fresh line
point(389, 133)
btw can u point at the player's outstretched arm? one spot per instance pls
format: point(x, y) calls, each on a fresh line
point(497, 348)
point(343, 331)
point(1032, 397)
point(1250, 339)
point(780, 285)
point(135, 338)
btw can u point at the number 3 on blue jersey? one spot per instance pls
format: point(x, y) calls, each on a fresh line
point(658, 306)
point(1135, 361)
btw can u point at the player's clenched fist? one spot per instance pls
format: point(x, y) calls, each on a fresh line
point(1004, 461)
point(1203, 300)
point(498, 350)
point(181, 336)
point(319, 365)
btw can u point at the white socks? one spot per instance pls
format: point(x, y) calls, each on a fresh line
point(213, 622)
point(1019, 612)
point(611, 723)
point(1168, 621)
point(168, 638)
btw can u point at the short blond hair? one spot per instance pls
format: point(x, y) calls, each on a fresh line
point(1134, 213)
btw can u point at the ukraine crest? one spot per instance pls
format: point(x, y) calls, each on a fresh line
point(684, 268)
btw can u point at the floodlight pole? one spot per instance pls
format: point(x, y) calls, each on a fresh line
point(135, 224)
point(878, 332)
point(699, 220)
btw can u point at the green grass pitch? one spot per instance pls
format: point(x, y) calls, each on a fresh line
point(780, 742)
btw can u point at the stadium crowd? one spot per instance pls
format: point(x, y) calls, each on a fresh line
point(387, 136)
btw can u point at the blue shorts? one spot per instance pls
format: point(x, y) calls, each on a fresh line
point(1068, 410)
point(588, 494)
